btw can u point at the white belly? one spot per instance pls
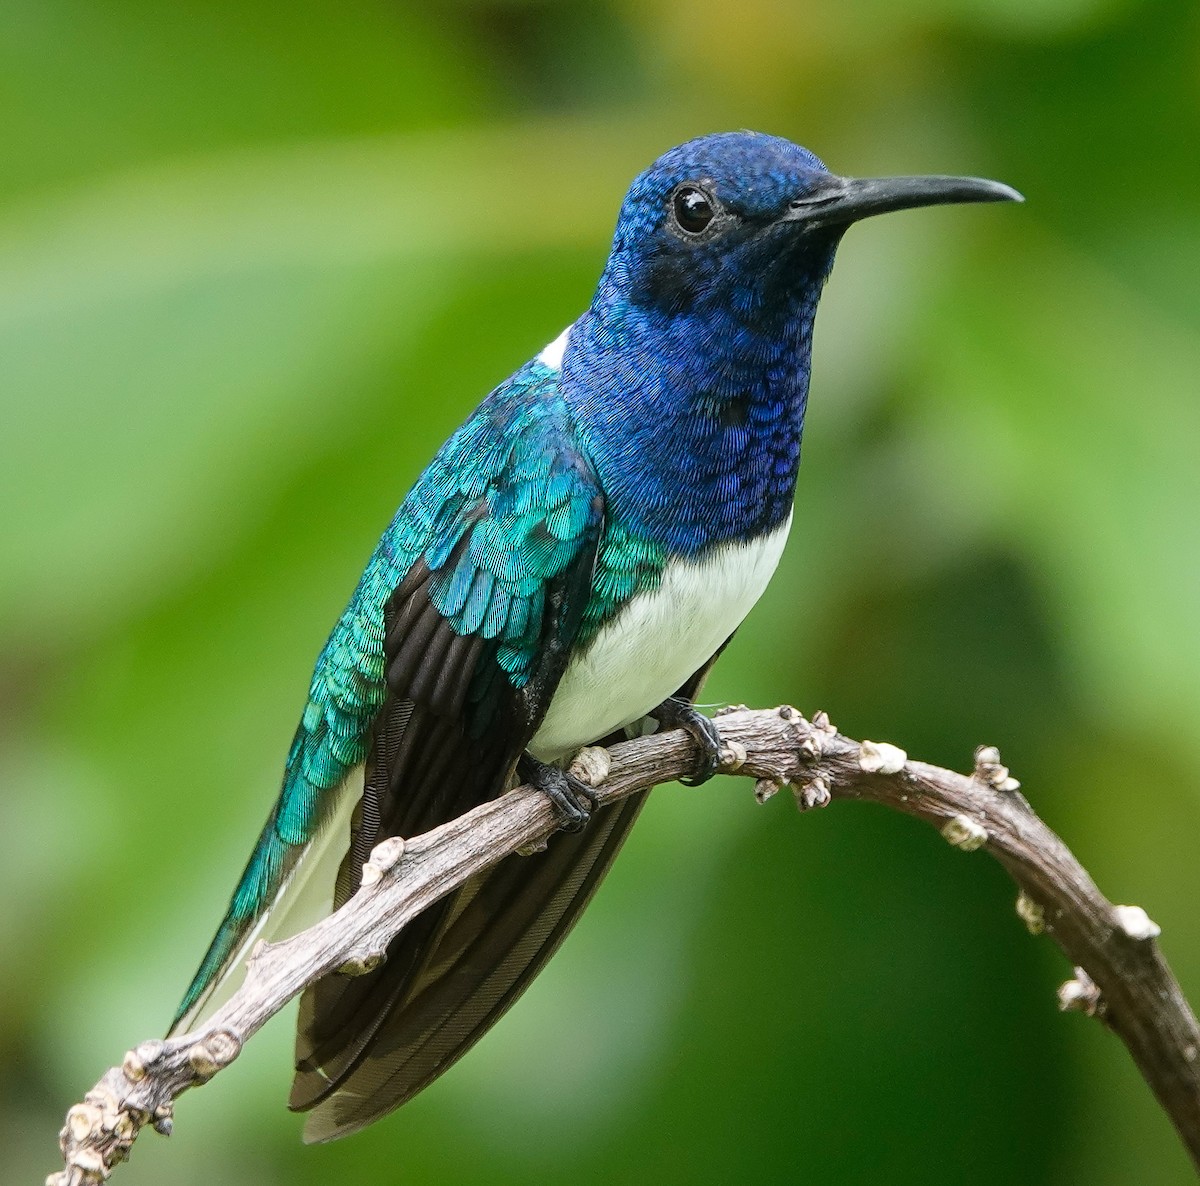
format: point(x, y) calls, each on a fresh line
point(655, 643)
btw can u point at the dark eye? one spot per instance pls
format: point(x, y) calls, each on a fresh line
point(693, 209)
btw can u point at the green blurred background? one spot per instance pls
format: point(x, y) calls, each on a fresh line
point(257, 260)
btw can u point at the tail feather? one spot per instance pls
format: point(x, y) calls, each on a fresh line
point(285, 888)
point(495, 934)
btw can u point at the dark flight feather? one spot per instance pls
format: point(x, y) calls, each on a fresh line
point(447, 738)
point(367, 1044)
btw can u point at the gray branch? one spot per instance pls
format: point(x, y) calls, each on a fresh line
point(1120, 975)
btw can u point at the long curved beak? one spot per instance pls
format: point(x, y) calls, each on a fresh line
point(840, 201)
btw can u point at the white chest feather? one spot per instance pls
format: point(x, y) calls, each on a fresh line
point(656, 642)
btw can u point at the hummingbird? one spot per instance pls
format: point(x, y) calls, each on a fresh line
point(564, 572)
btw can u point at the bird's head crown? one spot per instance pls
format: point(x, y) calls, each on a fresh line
point(745, 177)
point(709, 215)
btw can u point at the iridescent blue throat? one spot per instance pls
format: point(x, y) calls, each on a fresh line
point(720, 463)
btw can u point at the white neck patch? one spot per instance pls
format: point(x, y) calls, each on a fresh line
point(552, 355)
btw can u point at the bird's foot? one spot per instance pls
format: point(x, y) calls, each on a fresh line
point(575, 801)
point(677, 713)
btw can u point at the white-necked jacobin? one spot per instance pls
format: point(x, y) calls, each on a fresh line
point(570, 563)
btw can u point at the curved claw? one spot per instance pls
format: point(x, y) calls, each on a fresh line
point(575, 801)
point(676, 713)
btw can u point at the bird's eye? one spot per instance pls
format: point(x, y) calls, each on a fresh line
point(693, 209)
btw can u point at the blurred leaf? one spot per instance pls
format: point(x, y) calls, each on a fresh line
point(103, 85)
point(1067, 406)
point(170, 326)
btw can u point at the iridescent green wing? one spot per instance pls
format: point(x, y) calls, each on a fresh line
point(477, 636)
point(441, 666)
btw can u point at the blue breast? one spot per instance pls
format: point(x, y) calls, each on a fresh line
point(693, 421)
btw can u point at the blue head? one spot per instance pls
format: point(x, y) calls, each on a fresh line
point(689, 372)
point(703, 236)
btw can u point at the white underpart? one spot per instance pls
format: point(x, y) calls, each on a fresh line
point(552, 355)
point(656, 643)
point(304, 898)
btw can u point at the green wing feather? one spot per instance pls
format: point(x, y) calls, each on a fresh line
point(503, 511)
